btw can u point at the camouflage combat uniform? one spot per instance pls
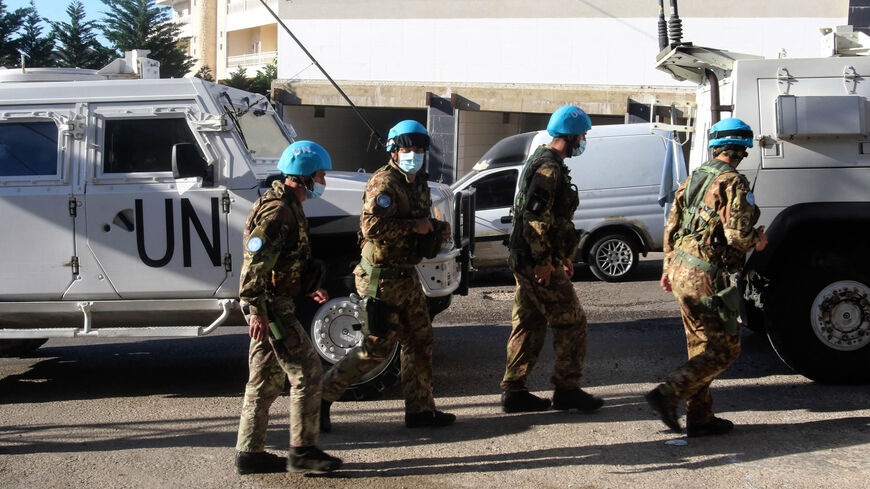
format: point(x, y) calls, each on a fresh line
point(543, 233)
point(275, 254)
point(722, 244)
point(391, 208)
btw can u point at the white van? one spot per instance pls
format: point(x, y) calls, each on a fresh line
point(618, 177)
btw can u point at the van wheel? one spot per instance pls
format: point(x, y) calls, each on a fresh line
point(21, 347)
point(820, 319)
point(333, 328)
point(613, 257)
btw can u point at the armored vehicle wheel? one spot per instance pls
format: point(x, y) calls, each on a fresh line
point(17, 348)
point(613, 257)
point(820, 320)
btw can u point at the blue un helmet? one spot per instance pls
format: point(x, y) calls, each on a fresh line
point(407, 134)
point(568, 120)
point(730, 131)
point(304, 158)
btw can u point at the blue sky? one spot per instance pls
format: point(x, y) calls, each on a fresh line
point(56, 9)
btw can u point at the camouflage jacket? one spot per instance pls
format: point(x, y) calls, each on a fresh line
point(543, 230)
point(730, 236)
point(276, 248)
point(391, 208)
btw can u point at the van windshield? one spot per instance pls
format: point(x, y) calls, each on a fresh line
point(468, 176)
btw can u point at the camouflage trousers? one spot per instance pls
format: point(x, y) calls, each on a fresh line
point(409, 325)
point(534, 307)
point(269, 363)
point(710, 349)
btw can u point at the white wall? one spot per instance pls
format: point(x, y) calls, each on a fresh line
point(599, 51)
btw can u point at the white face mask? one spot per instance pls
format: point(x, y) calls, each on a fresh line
point(579, 149)
point(316, 192)
point(410, 162)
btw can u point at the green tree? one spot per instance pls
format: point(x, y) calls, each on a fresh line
point(10, 23)
point(140, 24)
point(262, 82)
point(77, 45)
point(37, 48)
point(238, 79)
point(204, 73)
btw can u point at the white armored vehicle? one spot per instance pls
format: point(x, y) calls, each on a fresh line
point(122, 205)
point(809, 289)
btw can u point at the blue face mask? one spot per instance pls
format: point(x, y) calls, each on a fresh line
point(410, 162)
point(579, 149)
point(316, 192)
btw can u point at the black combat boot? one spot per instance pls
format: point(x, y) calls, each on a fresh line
point(665, 407)
point(311, 459)
point(523, 402)
point(325, 423)
point(564, 399)
point(716, 426)
point(259, 463)
point(429, 418)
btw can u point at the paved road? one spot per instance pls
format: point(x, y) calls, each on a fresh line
point(163, 413)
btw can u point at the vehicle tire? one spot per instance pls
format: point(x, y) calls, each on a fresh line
point(20, 347)
point(332, 327)
point(613, 257)
point(819, 316)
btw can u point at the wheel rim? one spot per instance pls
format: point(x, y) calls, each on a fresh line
point(841, 315)
point(334, 335)
point(614, 257)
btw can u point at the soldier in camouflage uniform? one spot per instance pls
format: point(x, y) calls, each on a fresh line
point(277, 266)
point(542, 245)
point(396, 231)
point(709, 230)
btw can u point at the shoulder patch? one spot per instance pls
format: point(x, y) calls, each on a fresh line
point(254, 244)
point(384, 201)
point(750, 198)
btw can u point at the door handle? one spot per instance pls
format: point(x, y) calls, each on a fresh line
point(506, 219)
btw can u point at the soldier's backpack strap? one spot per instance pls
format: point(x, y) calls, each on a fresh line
point(692, 222)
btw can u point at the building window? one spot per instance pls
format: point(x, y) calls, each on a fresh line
point(142, 145)
point(28, 148)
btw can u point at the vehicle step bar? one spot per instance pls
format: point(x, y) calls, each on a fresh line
point(87, 310)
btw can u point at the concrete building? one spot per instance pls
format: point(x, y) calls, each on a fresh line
point(476, 71)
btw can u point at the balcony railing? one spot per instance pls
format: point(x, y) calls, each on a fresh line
point(241, 6)
point(258, 60)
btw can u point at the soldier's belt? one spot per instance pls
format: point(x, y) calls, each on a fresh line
point(695, 262)
point(378, 273)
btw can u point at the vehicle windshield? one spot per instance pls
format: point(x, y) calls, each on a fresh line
point(263, 134)
point(468, 176)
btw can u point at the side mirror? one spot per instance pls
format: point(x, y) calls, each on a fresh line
point(187, 161)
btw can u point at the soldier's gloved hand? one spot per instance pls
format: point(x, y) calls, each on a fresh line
point(568, 266)
point(543, 272)
point(761, 244)
point(423, 226)
point(665, 282)
point(320, 296)
point(258, 327)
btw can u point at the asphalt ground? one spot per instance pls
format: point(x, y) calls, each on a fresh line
point(163, 413)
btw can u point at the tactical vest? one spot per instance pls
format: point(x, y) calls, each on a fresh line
point(565, 203)
point(412, 201)
point(295, 251)
point(699, 220)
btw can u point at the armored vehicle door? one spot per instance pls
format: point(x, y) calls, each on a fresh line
point(37, 227)
point(155, 235)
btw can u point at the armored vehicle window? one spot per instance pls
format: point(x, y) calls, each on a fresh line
point(263, 135)
point(142, 145)
point(496, 191)
point(28, 148)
